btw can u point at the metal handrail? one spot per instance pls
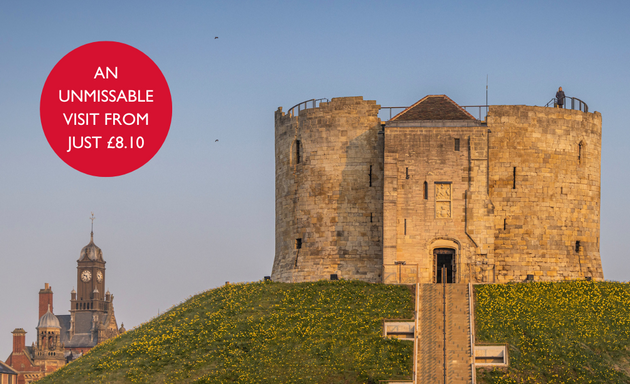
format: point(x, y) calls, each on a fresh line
point(481, 107)
point(576, 104)
point(314, 104)
point(471, 321)
point(479, 112)
point(390, 110)
point(416, 339)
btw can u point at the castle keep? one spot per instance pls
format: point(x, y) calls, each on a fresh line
point(512, 198)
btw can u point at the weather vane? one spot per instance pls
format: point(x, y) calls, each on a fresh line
point(92, 218)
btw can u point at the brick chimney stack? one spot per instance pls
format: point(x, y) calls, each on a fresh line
point(45, 299)
point(19, 340)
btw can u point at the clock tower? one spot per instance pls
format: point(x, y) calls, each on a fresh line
point(92, 318)
point(90, 294)
point(62, 338)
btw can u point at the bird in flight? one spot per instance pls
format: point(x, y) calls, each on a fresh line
point(216, 37)
point(216, 140)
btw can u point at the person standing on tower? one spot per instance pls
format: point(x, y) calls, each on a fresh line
point(560, 98)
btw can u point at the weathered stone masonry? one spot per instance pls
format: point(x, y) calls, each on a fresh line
point(498, 200)
point(556, 157)
point(329, 192)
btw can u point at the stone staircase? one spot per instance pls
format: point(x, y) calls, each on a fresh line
point(430, 354)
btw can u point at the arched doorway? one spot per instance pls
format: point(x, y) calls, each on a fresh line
point(444, 257)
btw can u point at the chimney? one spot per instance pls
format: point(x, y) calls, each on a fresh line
point(19, 336)
point(45, 299)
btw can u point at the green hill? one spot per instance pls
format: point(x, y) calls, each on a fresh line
point(323, 332)
point(570, 332)
point(330, 332)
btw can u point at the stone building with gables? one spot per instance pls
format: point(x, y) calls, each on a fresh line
point(63, 338)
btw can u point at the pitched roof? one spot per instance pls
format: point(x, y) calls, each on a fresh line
point(81, 340)
point(434, 107)
point(7, 370)
point(82, 328)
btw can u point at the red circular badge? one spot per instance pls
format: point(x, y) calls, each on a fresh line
point(106, 109)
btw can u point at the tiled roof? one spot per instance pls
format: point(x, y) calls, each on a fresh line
point(6, 369)
point(434, 107)
point(82, 328)
point(64, 323)
point(83, 340)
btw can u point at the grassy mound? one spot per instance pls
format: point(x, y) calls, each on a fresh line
point(323, 332)
point(570, 332)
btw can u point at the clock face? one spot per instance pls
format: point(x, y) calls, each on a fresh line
point(99, 276)
point(86, 276)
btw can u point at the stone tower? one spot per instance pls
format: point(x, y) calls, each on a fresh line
point(545, 185)
point(92, 318)
point(90, 278)
point(435, 178)
point(512, 198)
point(49, 351)
point(329, 192)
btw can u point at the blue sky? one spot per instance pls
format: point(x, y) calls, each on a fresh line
point(202, 212)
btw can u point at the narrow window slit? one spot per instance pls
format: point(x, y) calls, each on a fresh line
point(297, 151)
point(504, 224)
point(514, 179)
point(426, 190)
point(406, 173)
point(405, 226)
point(457, 144)
point(370, 217)
point(298, 243)
point(370, 175)
point(577, 246)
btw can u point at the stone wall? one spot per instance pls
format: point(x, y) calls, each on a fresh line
point(435, 197)
point(545, 185)
point(517, 196)
point(329, 192)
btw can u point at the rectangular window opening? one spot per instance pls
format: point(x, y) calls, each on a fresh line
point(405, 227)
point(504, 224)
point(298, 243)
point(406, 173)
point(426, 190)
point(370, 175)
point(514, 179)
point(577, 246)
point(457, 144)
point(370, 217)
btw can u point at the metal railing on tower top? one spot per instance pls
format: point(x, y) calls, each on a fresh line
point(482, 111)
point(576, 104)
point(305, 105)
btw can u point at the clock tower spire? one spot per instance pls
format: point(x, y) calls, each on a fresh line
point(92, 318)
point(92, 227)
point(90, 277)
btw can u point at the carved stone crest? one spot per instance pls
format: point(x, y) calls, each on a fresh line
point(443, 192)
point(443, 200)
point(442, 209)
